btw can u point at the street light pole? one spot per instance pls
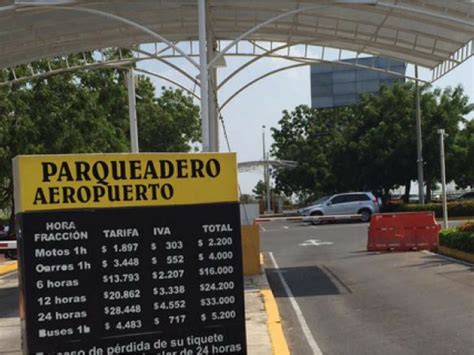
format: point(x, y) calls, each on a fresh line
point(442, 134)
point(266, 174)
point(419, 143)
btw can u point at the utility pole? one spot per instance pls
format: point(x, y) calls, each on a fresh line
point(419, 143)
point(443, 134)
point(266, 174)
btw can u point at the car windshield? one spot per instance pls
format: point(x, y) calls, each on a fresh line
point(321, 200)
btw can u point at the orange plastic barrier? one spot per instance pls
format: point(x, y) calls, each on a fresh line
point(403, 231)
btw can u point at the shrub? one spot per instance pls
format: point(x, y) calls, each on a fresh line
point(457, 239)
point(467, 227)
point(455, 209)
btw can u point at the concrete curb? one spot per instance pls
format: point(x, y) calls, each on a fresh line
point(7, 267)
point(277, 337)
point(456, 254)
point(275, 329)
point(463, 218)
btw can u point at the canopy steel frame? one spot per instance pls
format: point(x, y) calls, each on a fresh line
point(169, 80)
point(413, 44)
point(258, 164)
point(256, 52)
point(301, 61)
point(114, 18)
point(429, 12)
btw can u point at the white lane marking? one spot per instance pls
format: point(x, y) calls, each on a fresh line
point(286, 227)
point(304, 326)
point(449, 258)
point(314, 242)
point(340, 226)
point(299, 227)
point(263, 228)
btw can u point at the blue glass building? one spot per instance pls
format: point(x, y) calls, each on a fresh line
point(336, 85)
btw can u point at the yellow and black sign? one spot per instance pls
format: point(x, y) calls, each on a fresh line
point(130, 253)
point(59, 182)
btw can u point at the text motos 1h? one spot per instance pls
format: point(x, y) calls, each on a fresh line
point(132, 253)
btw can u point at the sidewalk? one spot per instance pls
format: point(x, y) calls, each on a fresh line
point(256, 319)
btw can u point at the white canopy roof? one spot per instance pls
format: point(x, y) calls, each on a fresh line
point(429, 33)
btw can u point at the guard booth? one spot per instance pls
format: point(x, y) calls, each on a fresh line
point(130, 253)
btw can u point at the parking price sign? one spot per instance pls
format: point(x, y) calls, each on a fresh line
point(130, 253)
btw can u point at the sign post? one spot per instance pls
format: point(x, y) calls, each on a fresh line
point(130, 253)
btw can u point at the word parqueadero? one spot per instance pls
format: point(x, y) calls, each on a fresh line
point(118, 180)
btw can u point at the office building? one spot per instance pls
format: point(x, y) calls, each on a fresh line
point(336, 85)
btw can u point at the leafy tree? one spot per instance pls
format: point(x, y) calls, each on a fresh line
point(55, 115)
point(461, 153)
point(379, 148)
point(309, 137)
point(260, 190)
point(371, 145)
point(169, 123)
point(87, 112)
point(447, 110)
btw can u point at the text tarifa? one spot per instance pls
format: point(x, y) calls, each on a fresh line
point(148, 180)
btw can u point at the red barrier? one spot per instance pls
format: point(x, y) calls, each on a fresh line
point(403, 231)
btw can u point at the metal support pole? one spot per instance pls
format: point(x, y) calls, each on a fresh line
point(213, 111)
point(419, 144)
point(132, 110)
point(204, 75)
point(442, 134)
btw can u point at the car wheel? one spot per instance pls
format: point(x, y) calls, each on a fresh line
point(11, 254)
point(365, 215)
point(315, 222)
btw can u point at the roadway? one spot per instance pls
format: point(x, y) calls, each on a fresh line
point(336, 298)
point(344, 299)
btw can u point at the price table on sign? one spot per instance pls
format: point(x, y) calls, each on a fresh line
point(163, 278)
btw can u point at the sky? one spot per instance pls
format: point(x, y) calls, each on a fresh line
point(264, 102)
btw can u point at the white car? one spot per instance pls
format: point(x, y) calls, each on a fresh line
point(363, 203)
point(302, 211)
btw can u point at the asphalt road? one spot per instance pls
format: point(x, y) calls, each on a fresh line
point(355, 302)
point(351, 301)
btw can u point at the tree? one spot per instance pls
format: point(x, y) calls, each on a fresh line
point(308, 137)
point(55, 115)
point(86, 112)
point(169, 123)
point(462, 166)
point(260, 190)
point(447, 111)
point(379, 147)
point(370, 146)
